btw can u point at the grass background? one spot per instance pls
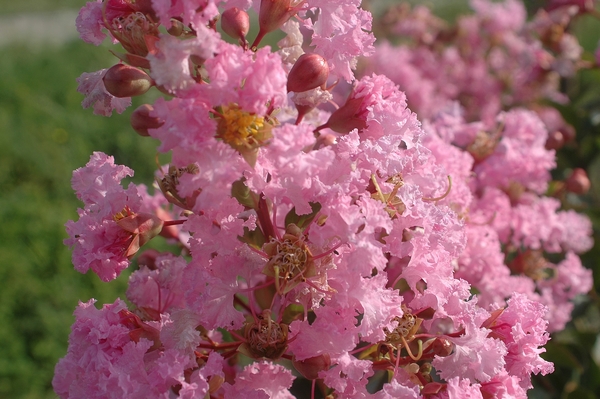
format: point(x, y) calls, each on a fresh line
point(45, 135)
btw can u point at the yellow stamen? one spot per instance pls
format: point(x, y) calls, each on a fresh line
point(239, 128)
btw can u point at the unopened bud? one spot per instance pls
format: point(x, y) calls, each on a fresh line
point(555, 140)
point(126, 81)
point(348, 117)
point(309, 368)
point(176, 28)
point(442, 347)
point(141, 120)
point(236, 23)
point(272, 15)
point(310, 71)
point(578, 182)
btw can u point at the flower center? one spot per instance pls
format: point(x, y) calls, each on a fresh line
point(289, 262)
point(265, 338)
point(131, 31)
point(406, 327)
point(240, 129)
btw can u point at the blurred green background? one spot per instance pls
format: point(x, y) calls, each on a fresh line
point(45, 135)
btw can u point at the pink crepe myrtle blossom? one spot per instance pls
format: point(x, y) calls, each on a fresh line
point(342, 247)
point(341, 33)
point(109, 230)
point(127, 22)
point(110, 343)
point(158, 291)
point(171, 66)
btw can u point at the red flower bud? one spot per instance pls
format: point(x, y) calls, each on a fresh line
point(141, 120)
point(126, 81)
point(348, 117)
point(273, 14)
point(236, 23)
point(578, 182)
point(555, 140)
point(309, 368)
point(310, 71)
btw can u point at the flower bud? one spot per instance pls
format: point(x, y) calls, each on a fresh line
point(272, 15)
point(310, 71)
point(348, 117)
point(176, 28)
point(442, 347)
point(126, 81)
point(309, 368)
point(236, 23)
point(555, 140)
point(141, 120)
point(578, 182)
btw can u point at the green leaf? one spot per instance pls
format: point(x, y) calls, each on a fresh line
point(303, 220)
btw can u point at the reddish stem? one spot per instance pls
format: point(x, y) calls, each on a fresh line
point(174, 222)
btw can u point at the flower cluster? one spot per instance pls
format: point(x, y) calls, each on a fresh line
point(336, 246)
point(470, 84)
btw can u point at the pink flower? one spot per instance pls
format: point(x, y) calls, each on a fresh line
point(113, 353)
point(196, 13)
point(341, 34)
point(523, 330)
point(375, 107)
point(109, 230)
point(476, 357)
point(261, 380)
point(254, 82)
point(90, 24)
point(348, 377)
point(459, 388)
point(520, 156)
point(158, 291)
point(171, 63)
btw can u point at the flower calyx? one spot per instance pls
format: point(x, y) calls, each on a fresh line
point(290, 260)
point(265, 338)
point(142, 227)
point(309, 368)
point(133, 29)
point(138, 329)
point(169, 186)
